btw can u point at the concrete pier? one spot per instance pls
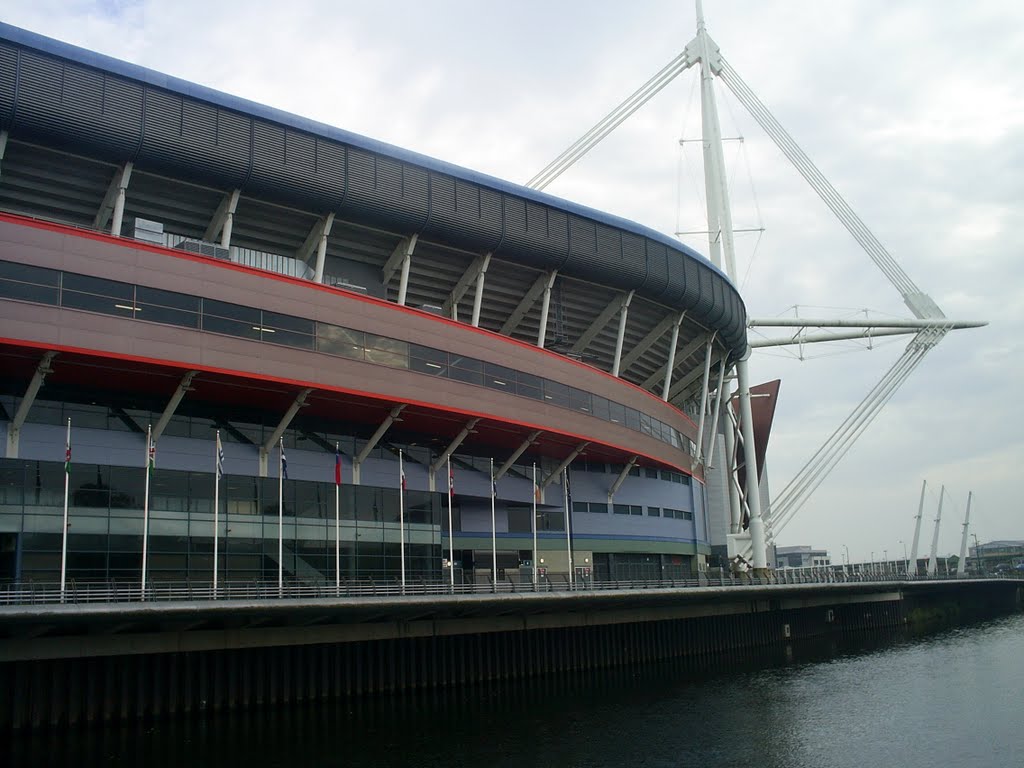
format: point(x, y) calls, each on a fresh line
point(100, 663)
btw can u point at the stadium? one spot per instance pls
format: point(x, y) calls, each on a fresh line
point(180, 267)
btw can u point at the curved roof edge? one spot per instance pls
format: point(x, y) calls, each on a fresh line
point(126, 69)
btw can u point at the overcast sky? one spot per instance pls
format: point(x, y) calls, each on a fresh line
point(913, 110)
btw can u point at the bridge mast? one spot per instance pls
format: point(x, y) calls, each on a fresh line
point(721, 245)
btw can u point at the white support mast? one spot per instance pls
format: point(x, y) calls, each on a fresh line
point(912, 564)
point(722, 248)
point(933, 558)
point(961, 565)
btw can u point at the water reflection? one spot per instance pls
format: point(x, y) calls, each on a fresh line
point(948, 699)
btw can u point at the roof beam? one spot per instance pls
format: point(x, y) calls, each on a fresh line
point(320, 230)
point(650, 339)
point(113, 200)
point(474, 272)
point(223, 218)
point(680, 358)
point(526, 303)
point(399, 258)
point(615, 305)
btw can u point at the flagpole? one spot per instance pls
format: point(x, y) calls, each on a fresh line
point(145, 507)
point(280, 520)
point(533, 527)
point(568, 539)
point(494, 535)
point(64, 535)
point(218, 468)
point(401, 514)
point(337, 518)
point(451, 530)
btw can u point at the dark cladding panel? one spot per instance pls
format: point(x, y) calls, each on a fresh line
point(210, 144)
point(285, 169)
point(525, 240)
point(376, 191)
point(608, 259)
point(656, 257)
point(76, 107)
point(8, 81)
point(689, 285)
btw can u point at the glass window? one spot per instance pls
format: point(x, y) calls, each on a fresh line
point(621, 509)
point(632, 418)
point(579, 400)
point(528, 385)
point(344, 342)
point(645, 423)
point(636, 509)
point(287, 330)
point(651, 473)
point(387, 351)
point(231, 319)
point(598, 508)
point(616, 413)
point(94, 294)
point(499, 377)
point(580, 506)
point(556, 394)
point(28, 283)
point(600, 407)
point(428, 360)
point(654, 511)
point(466, 369)
point(166, 307)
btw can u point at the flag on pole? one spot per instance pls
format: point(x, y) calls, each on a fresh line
point(220, 458)
point(451, 481)
point(151, 464)
point(403, 479)
point(67, 452)
point(284, 463)
point(337, 465)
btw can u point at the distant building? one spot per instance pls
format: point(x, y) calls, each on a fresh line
point(802, 556)
point(996, 553)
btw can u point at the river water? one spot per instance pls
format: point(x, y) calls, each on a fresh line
point(949, 699)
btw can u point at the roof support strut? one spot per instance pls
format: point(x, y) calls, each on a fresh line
point(357, 462)
point(14, 427)
point(112, 207)
point(300, 400)
point(223, 219)
point(530, 440)
point(172, 405)
point(447, 452)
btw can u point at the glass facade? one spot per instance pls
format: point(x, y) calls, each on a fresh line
point(106, 526)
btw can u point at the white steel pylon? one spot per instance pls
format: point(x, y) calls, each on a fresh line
point(929, 324)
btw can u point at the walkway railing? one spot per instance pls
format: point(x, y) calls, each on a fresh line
point(84, 592)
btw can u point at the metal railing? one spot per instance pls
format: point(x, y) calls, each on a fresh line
point(98, 592)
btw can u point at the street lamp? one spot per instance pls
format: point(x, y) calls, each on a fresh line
point(885, 560)
point(905, 558)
